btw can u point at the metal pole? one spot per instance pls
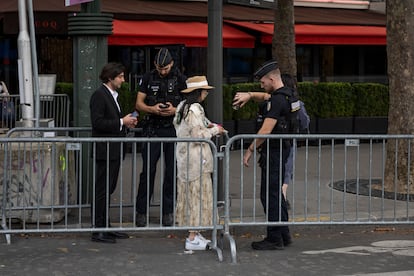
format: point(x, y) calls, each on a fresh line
point(25, 76)
point(89, 29)
point(215, 75)
point(215, 60)
point(34, 61)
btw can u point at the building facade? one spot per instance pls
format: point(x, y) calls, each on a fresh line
point(333, 43)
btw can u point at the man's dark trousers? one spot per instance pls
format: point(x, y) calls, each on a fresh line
point(151, 164)
point(101, 190)
point(270, 193)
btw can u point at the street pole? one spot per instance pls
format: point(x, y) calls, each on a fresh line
point(25, 67)
point(34, 62)
point(89, 29)
point(215, 60)
point(215, 76)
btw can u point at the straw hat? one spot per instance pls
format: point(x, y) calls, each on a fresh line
point(196, 82)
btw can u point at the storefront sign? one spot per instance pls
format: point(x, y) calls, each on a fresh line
point(45, 23)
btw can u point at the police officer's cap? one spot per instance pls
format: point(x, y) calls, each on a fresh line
point(163, 57)
point(266, 68)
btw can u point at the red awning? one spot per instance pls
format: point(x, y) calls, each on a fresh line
point(340, 35)
point(192, 34)
point(323, 34)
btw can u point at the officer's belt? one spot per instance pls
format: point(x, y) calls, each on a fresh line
point(158, 121)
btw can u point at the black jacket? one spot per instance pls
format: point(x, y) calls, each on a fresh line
point(105, 118)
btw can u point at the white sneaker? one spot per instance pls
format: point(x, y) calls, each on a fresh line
point(196, 244)
point(202, 238)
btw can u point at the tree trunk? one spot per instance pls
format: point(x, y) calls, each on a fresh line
point(283, 44)
point(399, 168)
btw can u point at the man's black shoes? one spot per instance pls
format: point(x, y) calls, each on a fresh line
point(108, 237)
point(118, 235)
point(287, 239)
point(102, 237)
point(287, 242)
point(266, 244)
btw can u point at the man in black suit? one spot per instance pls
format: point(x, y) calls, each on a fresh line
point(107, 121)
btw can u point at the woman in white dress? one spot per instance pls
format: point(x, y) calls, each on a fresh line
point(194, 162)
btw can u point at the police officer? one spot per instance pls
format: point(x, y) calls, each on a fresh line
point(158, 95)
point(276, 111)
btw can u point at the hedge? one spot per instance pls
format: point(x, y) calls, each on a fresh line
point(337, 99)
point(322, 100)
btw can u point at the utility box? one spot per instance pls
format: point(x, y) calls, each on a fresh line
point(49, 122)
point(40, 179)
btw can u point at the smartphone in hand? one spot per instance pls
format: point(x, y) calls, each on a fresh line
point(135, 114)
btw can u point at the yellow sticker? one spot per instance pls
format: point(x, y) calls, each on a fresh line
point(62, 160)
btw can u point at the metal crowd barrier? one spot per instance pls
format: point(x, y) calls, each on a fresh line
point(54, 106)
point(337, 179)
point(49, 183)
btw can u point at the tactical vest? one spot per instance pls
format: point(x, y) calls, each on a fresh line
point(162, 90)
point(281, 125)
point(290, 122)
point(283, 122)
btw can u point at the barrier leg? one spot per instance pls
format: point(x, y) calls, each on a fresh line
point(233, 249)
point(218, 250)
point(214, 245)
point(4, 226)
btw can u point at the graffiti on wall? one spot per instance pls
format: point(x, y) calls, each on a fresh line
point(35, 181)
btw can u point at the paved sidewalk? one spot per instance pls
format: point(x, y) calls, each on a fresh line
point(326, 250)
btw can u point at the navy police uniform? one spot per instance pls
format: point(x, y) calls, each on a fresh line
point(277, 108)
point(159, 90)
point(272, 199)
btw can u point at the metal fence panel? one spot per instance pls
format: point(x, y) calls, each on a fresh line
point(48, 183)
point(54, 106)
point(48, 186)
point(337, 179)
